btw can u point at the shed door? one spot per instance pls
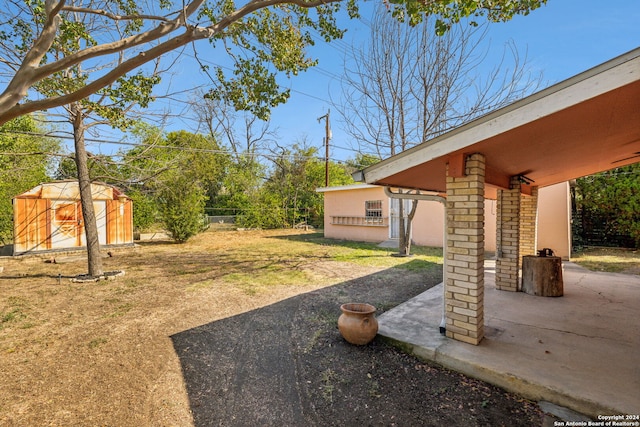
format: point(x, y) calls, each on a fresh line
point(65, 224)
point(100, 211)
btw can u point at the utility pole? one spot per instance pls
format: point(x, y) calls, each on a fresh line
point(326, 146)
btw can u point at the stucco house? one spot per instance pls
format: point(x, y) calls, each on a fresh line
point(583, 125)
point(363, 212)
point(49, 217)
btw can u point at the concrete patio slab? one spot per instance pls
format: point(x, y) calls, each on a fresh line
point(578, 351)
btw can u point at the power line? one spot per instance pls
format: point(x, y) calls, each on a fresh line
point(266, 155)
point(224, 67)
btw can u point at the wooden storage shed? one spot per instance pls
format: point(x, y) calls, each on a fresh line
point(49, 217)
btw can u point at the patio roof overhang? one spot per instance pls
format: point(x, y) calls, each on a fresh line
point(587, 124)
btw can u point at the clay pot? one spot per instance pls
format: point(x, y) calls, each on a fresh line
point(357, 323)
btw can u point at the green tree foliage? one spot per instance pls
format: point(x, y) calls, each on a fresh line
point(263, 39)
point(158, 157)
point(362, 161)
point(25, 161)
point(181, 206)
point(145, 210)
point(288, 197)
point(240, 187)
point(162, 167)
point(265, 211)
point(609, 203)
point(102, 168)
point(198, 158)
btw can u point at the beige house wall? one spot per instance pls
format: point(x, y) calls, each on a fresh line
point(428, 224)
point(553, 218)
point(350, 201)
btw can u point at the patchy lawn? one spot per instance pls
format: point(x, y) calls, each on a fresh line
point(611, 260)
point(87, 354)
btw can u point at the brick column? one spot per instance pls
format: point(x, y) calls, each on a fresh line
point(464, 292)
point(529, 223)
point(508, 238)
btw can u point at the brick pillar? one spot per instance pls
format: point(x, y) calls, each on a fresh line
point(464, 293)
point(529, 223)
point(508, 237)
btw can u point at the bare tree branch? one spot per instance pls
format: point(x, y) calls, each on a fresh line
point(408, 85)
point(102, 12)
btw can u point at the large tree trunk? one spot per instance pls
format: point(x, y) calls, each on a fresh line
point(94, 258)
point(404, 244)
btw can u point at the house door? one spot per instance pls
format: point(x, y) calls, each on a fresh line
point(394, 216)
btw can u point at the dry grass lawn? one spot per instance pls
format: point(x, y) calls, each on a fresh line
point(611, 260)
point(101, 354)
point(88, 354)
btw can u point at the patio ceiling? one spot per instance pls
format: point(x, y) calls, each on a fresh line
point(586, 124)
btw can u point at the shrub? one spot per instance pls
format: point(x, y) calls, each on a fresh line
point(145, 210)
point(182, 210)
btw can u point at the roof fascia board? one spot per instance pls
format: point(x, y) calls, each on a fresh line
point(601, 79)
point(345, 187)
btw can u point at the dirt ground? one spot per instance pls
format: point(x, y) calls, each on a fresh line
point(184, 338)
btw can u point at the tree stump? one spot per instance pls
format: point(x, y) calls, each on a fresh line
point(542, 276)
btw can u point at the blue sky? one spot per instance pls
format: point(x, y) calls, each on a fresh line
point(562, 39)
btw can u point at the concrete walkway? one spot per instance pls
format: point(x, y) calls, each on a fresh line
point(580, 351)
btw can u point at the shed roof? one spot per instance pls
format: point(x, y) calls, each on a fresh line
point(586, 124)
point(70, 190)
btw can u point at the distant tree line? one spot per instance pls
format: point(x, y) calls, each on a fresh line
point(173, 178)
point(26, 160)
point(606, 208)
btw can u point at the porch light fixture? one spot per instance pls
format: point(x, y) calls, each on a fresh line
point(524, 180)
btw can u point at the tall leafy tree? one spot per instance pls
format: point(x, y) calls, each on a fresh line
point(110, 105)
point(262, 38)
point(241, 185)
point(26, 160)
point(246, 137)
point(181, 206)
point(201, 159)
point(179, 170)
point(408, 85)
point(288, 196)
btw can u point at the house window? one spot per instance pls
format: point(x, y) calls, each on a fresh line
point(373, 208)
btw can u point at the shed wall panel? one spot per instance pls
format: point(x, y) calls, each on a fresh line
point(31, 220)
point(119, 222)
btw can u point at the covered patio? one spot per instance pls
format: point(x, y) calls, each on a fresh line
point(579, 351)
point(587, 124)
